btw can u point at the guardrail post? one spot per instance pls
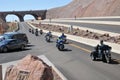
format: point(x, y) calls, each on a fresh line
point(0, 72)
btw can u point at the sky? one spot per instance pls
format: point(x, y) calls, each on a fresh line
point(22, 5)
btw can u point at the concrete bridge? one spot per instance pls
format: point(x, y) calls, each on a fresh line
point(20, 14)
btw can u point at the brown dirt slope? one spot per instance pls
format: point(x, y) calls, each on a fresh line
point(86, 8)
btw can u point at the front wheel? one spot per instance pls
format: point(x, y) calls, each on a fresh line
point(61, 47)
point(4, 49)
point(108, 58)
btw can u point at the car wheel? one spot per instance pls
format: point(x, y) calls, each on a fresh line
point(5, 49)
point(22, 47)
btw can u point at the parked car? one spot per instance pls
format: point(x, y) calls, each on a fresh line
point(12, 44)
point(16, 35)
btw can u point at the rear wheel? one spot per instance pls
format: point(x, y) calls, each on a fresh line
point(92, 55)
point(4, 49)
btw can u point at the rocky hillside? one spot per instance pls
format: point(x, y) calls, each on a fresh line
point(3, 26)
point(86, 8)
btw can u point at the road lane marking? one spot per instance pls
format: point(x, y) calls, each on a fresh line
point(84, 49)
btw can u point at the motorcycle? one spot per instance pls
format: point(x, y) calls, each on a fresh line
point(104, 55)
point(48, 38)
point(36, 32)
point(32, 31)
point(29, 30)
point(41, 32)
point(60, 45)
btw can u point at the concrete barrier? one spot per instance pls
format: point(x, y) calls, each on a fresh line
point(81, 28)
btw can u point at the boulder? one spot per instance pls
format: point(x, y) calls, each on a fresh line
point(29, 68)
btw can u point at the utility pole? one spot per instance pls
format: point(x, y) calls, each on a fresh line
point(75, 17)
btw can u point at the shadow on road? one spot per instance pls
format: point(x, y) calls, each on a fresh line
point(67, 50)
point(17, 50)
point(30, 45)
point(50, 41)
point(115, 61)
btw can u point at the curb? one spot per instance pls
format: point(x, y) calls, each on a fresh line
point(91, 42)
point(53, 66)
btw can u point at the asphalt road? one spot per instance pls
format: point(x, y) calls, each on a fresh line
point(74, 62)
point(104, 27)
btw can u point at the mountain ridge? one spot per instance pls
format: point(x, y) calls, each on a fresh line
point(86, 8)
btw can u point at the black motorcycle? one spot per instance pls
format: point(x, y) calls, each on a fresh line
point(41, 32)
point(36, 32)
point(30, 30)
point(102, 53)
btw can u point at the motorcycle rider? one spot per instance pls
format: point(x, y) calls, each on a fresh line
point(99, 49)
point(41, 31)
point(36, 32)
point(63, 37)
point(49, 34)
point(103, 47)
point(59, 40)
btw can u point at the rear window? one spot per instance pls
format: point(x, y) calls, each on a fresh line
point(19, 36)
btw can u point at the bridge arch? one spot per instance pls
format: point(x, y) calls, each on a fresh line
point(20, 17)
point(11, 18)
point(29, 17)
point(36, 13)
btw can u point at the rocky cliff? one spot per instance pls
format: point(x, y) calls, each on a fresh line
point(86, 8)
